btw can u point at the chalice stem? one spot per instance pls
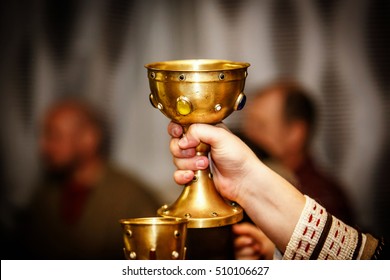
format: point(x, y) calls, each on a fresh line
point(202, 149)
point(200, 202)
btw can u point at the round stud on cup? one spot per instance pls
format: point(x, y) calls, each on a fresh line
point(129, 233)
point(133, 255)
point(152, 100)
point(240, 102)
point(183, 106)
point(175, 255)
point(187, 215)
point(182, 77)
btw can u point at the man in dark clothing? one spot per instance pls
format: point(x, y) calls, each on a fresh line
point(76, 212)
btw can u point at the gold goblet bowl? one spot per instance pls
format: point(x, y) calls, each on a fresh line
point(154, 238)
point(199, 91)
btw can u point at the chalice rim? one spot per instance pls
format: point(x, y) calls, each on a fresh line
point(154, 221)
point(232, 65)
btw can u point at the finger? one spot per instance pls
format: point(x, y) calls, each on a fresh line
point(247, 253)
point(178, 152)
point(175, 130)
point(194, 163)
point(197, 133)
point(247, 258)
point(243, 241)
point(246, 229)
point(182, 177)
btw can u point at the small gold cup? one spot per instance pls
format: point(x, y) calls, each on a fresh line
point(199, 91)
point(154, 238)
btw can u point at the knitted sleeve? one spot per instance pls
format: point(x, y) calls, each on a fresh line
point(319, 235)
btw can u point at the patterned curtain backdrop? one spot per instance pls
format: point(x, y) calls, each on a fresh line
point(97, 49)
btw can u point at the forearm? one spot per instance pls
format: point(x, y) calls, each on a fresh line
point(300, 227)
point(272, 203)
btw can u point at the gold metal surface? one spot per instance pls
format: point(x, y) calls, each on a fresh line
point(199, 91)
point(154, 238)
point(203, 83)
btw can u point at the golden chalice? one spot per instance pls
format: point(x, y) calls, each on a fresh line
point(155, 238)
point(199, 91)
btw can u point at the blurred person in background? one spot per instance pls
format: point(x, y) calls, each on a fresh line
point(82, 196)
point(280, 123)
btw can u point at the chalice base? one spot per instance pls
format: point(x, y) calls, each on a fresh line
point(202, 205)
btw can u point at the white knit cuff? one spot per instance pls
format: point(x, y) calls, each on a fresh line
point(340, 243)
point(307, 231)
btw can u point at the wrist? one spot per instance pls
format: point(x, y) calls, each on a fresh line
point(252, 183)
point(271, 202)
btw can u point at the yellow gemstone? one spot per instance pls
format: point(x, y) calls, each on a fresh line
point(183, 106)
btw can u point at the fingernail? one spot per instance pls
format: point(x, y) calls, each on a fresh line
point(176, 131)
point(200, 163)
point(187, 176)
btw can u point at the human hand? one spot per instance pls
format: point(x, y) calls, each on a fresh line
point(233, 161)
point(251, 243)
point(269, 200)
